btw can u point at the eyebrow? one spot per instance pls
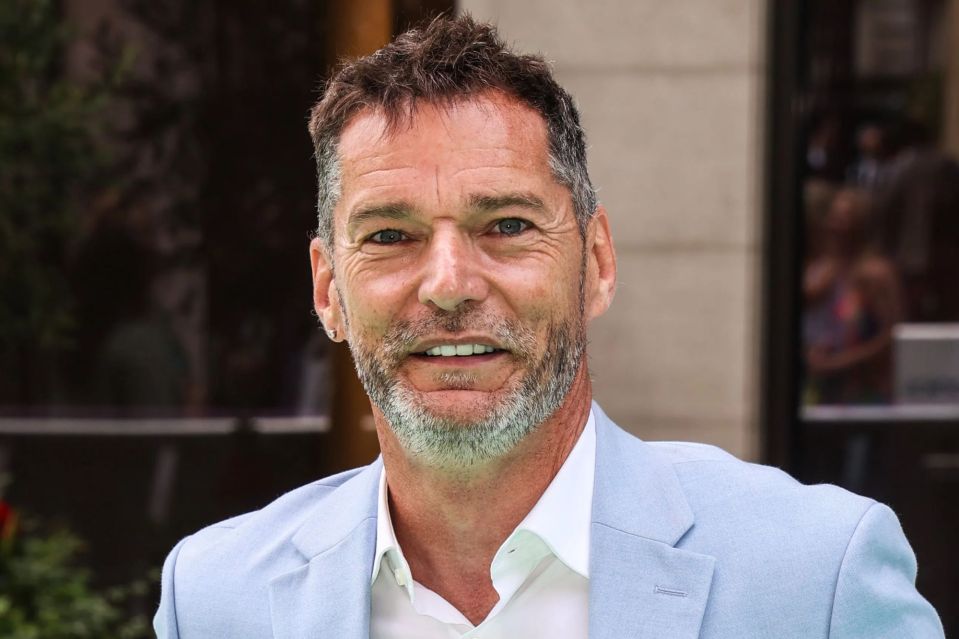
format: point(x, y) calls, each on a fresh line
point(488, 203)
point(389, 211)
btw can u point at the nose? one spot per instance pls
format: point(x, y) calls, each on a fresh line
point(452, 273)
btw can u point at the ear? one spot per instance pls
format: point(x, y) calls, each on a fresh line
point(326, 300)
point(600, 265)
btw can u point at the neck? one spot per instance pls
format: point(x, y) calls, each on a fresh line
point(450, 526)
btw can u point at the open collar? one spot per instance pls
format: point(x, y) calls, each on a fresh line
point(561, 516)
point(560, 521)
point(641, 584)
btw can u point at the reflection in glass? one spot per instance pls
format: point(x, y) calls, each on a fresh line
point(881, 202)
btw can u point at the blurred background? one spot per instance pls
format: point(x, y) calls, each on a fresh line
point(784, 194)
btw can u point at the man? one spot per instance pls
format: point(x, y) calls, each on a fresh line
point(461, 254)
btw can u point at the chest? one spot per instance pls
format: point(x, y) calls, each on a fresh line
point(552, 602)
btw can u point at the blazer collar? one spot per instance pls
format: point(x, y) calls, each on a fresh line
point(635, 490)
point(336, 516)
point(329, 595)
point(641, 585)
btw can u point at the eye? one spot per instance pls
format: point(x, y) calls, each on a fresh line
point(511, 226)
point(387, 236)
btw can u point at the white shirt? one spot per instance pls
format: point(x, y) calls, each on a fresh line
point(541, 571)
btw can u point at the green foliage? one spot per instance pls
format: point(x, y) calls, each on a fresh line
point(45, 595)
point(48, 154)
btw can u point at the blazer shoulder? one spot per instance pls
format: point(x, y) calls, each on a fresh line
point(268, 529)
point(216, 579)
point(721, 488)
point(697, 465)
point(677, 452)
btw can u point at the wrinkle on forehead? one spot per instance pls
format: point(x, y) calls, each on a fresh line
point(374, 171)
point(490, 145)
point(365, 134)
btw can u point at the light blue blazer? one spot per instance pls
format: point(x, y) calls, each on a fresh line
point(686, 541)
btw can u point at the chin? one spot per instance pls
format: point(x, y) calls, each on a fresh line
point(459, 429)
point(457, 407)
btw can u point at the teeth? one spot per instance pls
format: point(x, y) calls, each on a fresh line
point(462, 350)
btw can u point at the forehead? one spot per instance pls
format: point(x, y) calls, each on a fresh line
point(488, 129)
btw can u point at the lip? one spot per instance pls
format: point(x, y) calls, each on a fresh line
point(424, 345)
point(419, 361)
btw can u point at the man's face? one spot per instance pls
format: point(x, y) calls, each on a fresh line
point(459, 276)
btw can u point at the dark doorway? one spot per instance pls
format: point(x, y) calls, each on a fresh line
point(860, 302)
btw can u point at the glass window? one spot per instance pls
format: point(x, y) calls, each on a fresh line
point(157, 218)
point(880, 193)
point(862, 383)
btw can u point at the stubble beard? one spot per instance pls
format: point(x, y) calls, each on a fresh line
point(502, 422)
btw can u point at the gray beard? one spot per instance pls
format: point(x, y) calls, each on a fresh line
point(449, 443)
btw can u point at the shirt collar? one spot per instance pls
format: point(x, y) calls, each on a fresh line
point(387, 547)
point(560, 518)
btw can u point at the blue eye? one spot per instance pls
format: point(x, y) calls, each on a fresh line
point(388, 236)
point(512, 226)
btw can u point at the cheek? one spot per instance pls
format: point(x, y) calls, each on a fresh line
point(540, 291)
point(372, 302)
point(368, 314)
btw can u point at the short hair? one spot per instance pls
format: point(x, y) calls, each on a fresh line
point(445, 61)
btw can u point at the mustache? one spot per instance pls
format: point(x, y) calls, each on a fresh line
point(402, 335)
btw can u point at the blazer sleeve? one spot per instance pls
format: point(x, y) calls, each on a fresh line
point(876, 596)
point(165, 621)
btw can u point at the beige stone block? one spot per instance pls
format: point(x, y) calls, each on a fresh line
point(672, 154)
point(676, 342)
point(621, 33)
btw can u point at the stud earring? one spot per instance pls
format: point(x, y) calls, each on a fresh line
point(331, 333)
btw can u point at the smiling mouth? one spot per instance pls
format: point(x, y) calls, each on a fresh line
point(459, 350)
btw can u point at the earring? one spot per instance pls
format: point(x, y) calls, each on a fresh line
point(331, 333)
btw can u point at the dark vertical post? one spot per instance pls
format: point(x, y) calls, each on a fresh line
point(779, 398)
point(357, 27)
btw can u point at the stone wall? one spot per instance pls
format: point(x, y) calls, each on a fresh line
point(672, 100)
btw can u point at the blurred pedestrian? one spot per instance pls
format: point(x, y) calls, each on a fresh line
point(852, 302)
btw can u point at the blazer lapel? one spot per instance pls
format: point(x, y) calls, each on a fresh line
point(641, 585)
point(329, 595)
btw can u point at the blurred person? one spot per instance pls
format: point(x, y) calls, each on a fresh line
point(918, 226)
point(139, 362)
point(872, 167)
point(852, 303)
point(824, 148)
point(817, 198)
point(461, 253)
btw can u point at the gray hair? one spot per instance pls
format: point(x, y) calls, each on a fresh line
point(446, 61)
